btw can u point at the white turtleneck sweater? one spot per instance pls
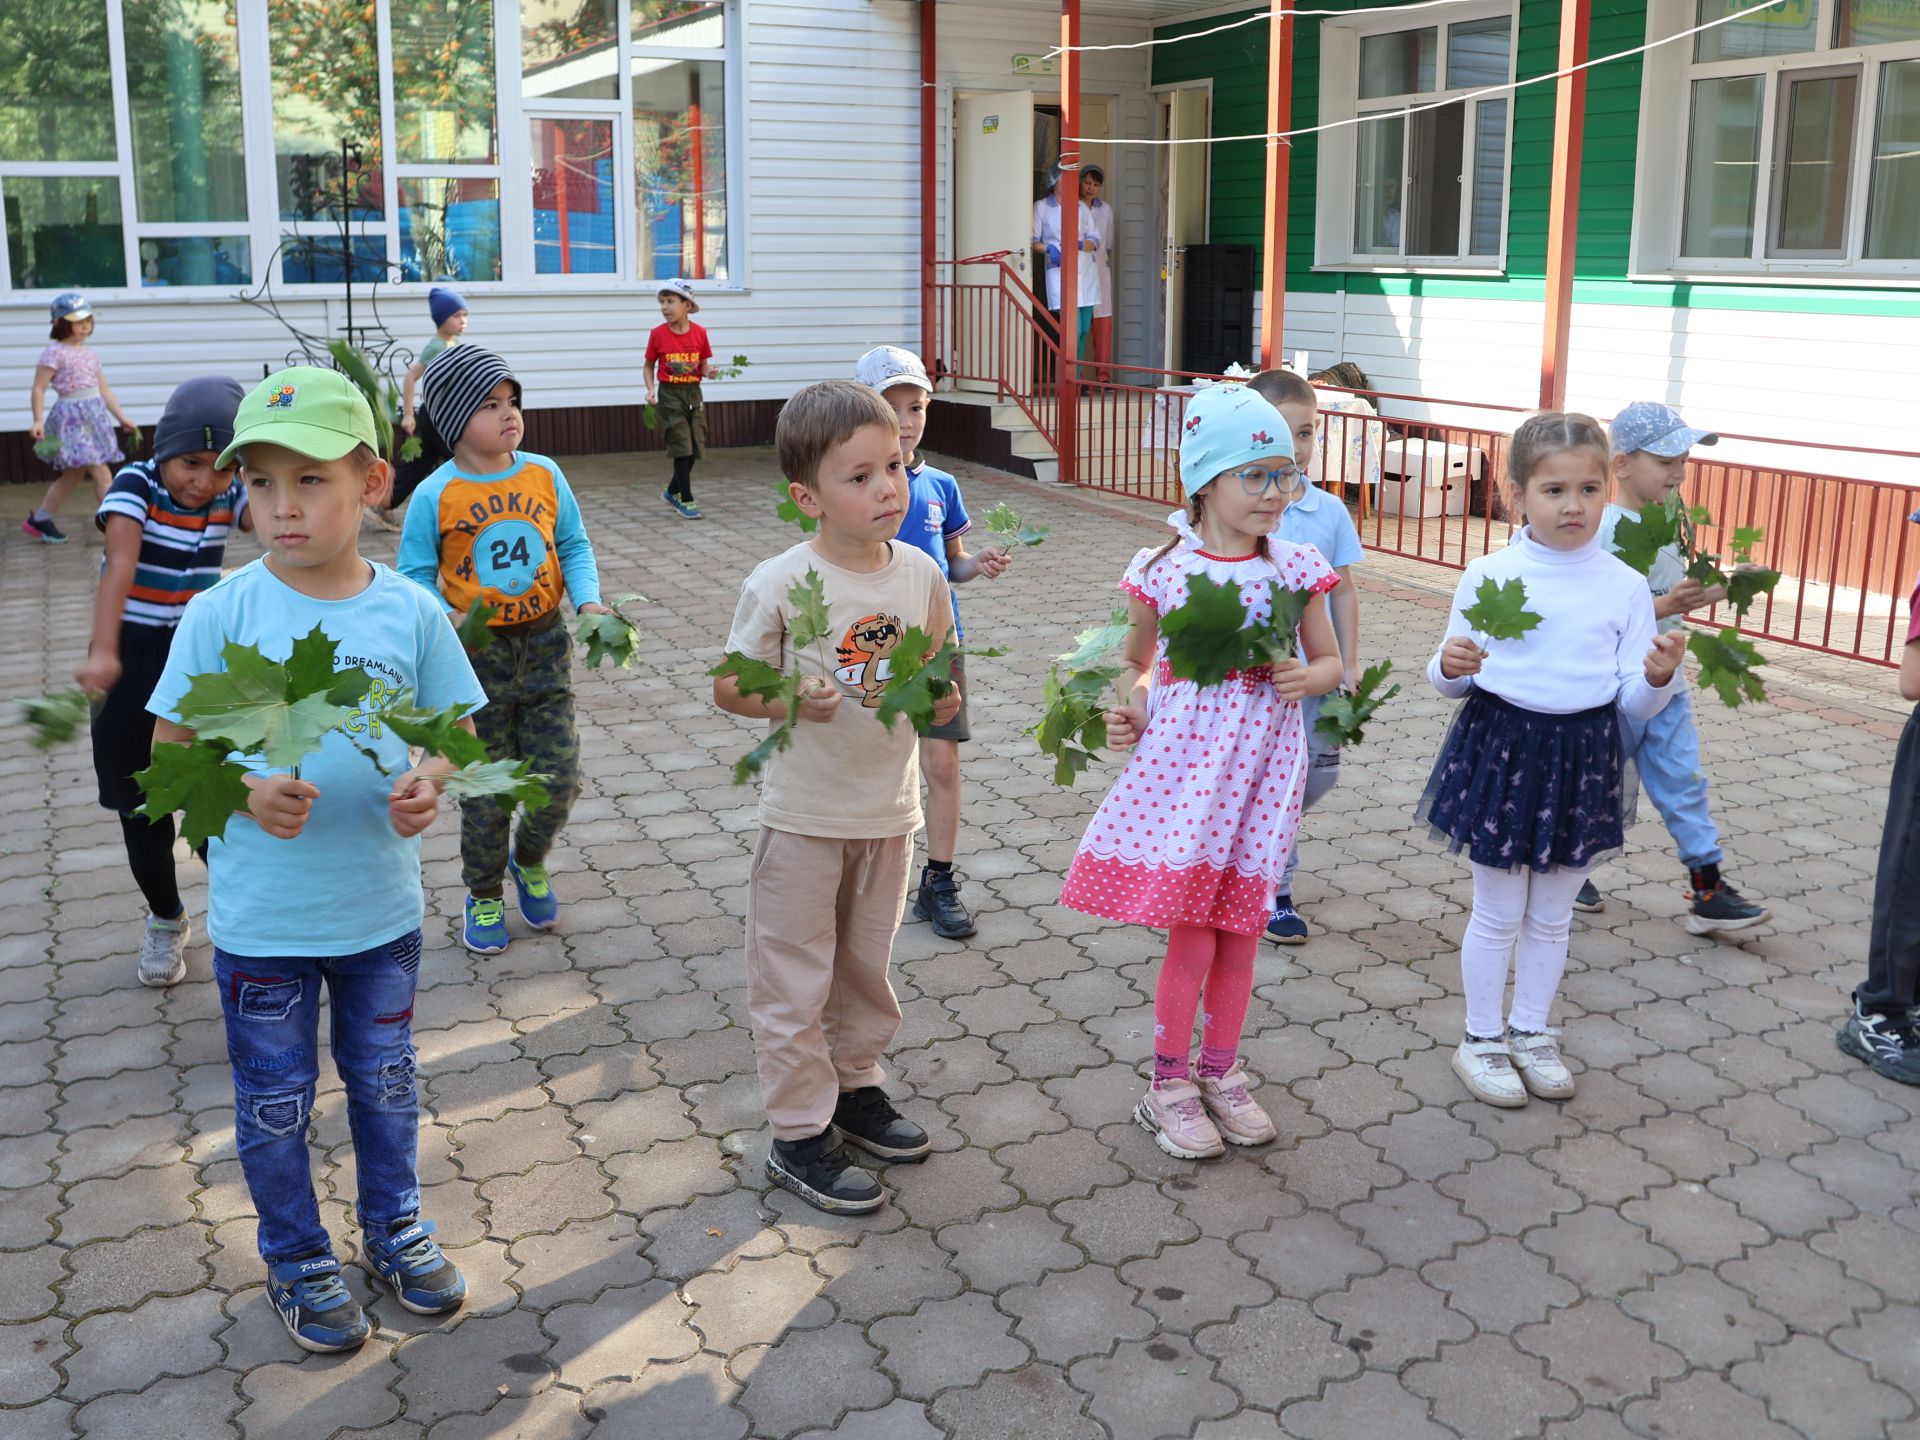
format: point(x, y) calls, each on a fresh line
point(1590, 647)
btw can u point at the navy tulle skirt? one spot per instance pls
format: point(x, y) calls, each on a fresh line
point(1519, 788)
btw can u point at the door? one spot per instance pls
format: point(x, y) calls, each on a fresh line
point(992, 209)
point(1183, 203)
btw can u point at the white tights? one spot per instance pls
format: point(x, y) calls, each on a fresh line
point(1523, 916)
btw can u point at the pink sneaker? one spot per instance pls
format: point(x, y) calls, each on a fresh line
point(1172, 1112)
point(1234, 1110)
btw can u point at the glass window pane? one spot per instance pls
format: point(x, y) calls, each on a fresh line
point(326, 90)
point(197, 260)
point(1723, 167)
point(63, 230)
point(1489, 178)
point(573, 220)
point(183, 95)
point(56, 95)
point(1433, 181)
point(690, 24)
point(1875, 22)
point(1816, 164)
point(1784, 30)
point(443, 81)
point(1893, 204)
point(569, 50)
point(449, 229)
point(1477, 53)
point(680, 167)
point(319, 260)
point(1398, 64)
point(1376, 199)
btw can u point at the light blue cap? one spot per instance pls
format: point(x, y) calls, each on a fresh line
point(1658, 429)
point(1228, 426)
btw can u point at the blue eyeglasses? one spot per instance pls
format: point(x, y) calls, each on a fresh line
point(1289, 480)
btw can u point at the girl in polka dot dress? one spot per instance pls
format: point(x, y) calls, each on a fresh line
point(1195, 835)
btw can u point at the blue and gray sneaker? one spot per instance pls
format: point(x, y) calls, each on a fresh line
point(315, 1306)
point(1285, 927)
point(688, 510)
point(486, 928)
point(413, 1267)
point(539, 907)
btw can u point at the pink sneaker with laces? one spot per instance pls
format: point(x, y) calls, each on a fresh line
point(1173, 1113)
point(1235, 1112)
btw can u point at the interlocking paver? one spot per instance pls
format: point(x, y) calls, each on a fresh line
point(886, 1274)
point(1487, 1390)
point(810, 1379)
point(1151, 1388)
point(1369, 1404)
point(1702, 1407)
point(1819, 1391)
point(1499, 1285)
point(198, 1406)
point(948, 1343)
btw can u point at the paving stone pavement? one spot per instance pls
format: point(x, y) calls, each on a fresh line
point(1718, 1236)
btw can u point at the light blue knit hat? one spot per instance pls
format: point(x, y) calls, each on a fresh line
point(1226, 427)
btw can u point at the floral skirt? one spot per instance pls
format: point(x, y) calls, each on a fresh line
point(84, 431)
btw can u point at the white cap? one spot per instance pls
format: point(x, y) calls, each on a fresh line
point(886, 366)
point(681, 288)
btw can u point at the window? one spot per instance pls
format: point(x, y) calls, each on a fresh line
point(1423, 176)
point(1800, 139)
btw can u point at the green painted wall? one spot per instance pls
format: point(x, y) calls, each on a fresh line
point(1236, 61)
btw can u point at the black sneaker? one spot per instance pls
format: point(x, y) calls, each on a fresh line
point(938, 902)
point(1589, 901)
point(44, 530)
point(1718, 907)
point(820, 1172)
point(1286, 926)
point(1890, 1047)
point(867, 1117)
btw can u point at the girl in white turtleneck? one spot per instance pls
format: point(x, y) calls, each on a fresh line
point(1530, 781)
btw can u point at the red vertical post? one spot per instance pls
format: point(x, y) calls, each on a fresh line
point(1273, 270)
point(560, 194)
point(1563, 214)
point(698, 136)
point(929, 147)
point(1067, 441)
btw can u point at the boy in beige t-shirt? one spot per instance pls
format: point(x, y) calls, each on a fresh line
point(838, 810)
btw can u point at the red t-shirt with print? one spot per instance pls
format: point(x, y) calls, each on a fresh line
point(680, 358)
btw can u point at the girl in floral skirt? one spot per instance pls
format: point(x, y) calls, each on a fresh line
point(81, 421)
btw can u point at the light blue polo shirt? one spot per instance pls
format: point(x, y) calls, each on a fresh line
point(1320, 520)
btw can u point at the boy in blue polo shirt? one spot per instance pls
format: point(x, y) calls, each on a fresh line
point(1315, 518)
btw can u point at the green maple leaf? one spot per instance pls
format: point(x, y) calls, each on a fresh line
point(1639, 539)
point(1279, 633)
point(47, 448)
point(512, 782)
point(1343, 715)
point(310, 671)
point(55, 719)
point(1727, 664)
point(1208, 637)
point(1004, 521)
point(1092, 645)
point(1748, 584)
point(757, 678)
point(1500, 612)
point(1742, 544)
point(917, 679)
point(811, 621)
point(438, 732)
point(198, 782)
point(609, 637)
point(1705, 569)
point(650, 416)
point(476, 631)
point(789, 510)
point(136, 439)
point(411, 449)
point(251, 706)
point(1073, 724)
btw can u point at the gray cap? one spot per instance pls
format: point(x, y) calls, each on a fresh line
point(1658, 429)
point(199, 416)
point(886, 366)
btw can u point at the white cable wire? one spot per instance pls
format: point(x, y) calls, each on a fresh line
point(1510, 86)
point(1248, 20)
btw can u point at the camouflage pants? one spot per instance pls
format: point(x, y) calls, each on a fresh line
point(528, 716)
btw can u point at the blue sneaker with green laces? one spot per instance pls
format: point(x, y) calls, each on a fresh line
point(411, 1264)
point(315, 1305)
point(539, 907)
point(486, 928)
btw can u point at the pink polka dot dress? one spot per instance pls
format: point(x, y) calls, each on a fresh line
point(1198, 827)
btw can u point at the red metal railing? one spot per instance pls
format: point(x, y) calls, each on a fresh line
point(993, 332)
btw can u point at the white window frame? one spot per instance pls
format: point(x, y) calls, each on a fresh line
point(1338, 164)
point(1660, 191)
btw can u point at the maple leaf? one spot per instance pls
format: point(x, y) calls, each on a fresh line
point(48, 448)
point(1742, 544)
point(609, 637)
point(1639, 539)
point(918, 678)
point(1342, 715)
point(1279, 633)
point(789, 510)
point(1004, 521)
point(1727, 664)
point(1208, 637)
point(200, 783)
point(757, 678)
point(310, 672)
point(251, 706)
point(55, 719)
point(1748, 584)
point(1073, 724)
point(438, 732)
point(1500, 611)
point(1092, 645)
point(811, 621)
point(475, 632)
point(411, 449)
point(512, 782)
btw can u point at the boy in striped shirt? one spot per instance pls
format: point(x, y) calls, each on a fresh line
point(166, 521)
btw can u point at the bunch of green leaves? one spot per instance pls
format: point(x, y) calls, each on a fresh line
point(789, 510)
point(731, 370)
point(1005, 522)
point(476, 631)
point(1727, 664)
point(55, 719)
point(919, 677)
point(807, 625)
point(1074, 723)
point(1639, 539)
point(611, 637)
point(47, 448)
point(1211, 635)
point(1499, 611)
point(1344, 714)
point(136, 437)
point(412, 448)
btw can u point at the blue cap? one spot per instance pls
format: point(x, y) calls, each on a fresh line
point(445, 303)
point(1658, 429)
point(199, 416)
point(69, 305)
point(1228, 426)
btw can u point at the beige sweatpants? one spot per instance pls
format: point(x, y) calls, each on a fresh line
point(821, 916)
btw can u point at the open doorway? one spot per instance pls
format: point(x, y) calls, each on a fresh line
point(1180, 206)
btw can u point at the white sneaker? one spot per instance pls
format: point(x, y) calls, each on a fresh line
point(1175, 1116)
point(1542, 1071)
point(1487, 1070)
point(163, 955)
point(1235, 1113)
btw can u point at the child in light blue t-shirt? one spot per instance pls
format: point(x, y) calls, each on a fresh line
point(317, 885)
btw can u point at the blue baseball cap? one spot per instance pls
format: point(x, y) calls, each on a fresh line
point(1227, 426)
point(1658, 429)
point(69, 305)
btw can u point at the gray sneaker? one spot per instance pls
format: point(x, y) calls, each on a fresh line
point(163, 957)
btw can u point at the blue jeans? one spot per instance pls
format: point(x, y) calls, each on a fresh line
point(272, 1009)
point(1666, 749)
point(1323, 773)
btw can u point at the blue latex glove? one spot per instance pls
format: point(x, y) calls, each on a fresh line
point(1053, 255)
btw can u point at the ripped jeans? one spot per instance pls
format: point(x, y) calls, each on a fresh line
point(272, 1009)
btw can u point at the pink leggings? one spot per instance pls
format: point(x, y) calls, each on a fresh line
point(1221, 962)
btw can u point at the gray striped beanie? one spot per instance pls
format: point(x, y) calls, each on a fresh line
point(455, 383)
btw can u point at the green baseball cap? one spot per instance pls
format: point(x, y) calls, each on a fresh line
point(317, 413)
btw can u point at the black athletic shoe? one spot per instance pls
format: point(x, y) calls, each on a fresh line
point(1889, 1046)
point(820, 1172)
point(867, 1118)
point(1718, 907)
point(1589, 901)
point(938, 902)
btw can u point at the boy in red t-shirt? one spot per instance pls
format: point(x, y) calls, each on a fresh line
point(679, 355)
